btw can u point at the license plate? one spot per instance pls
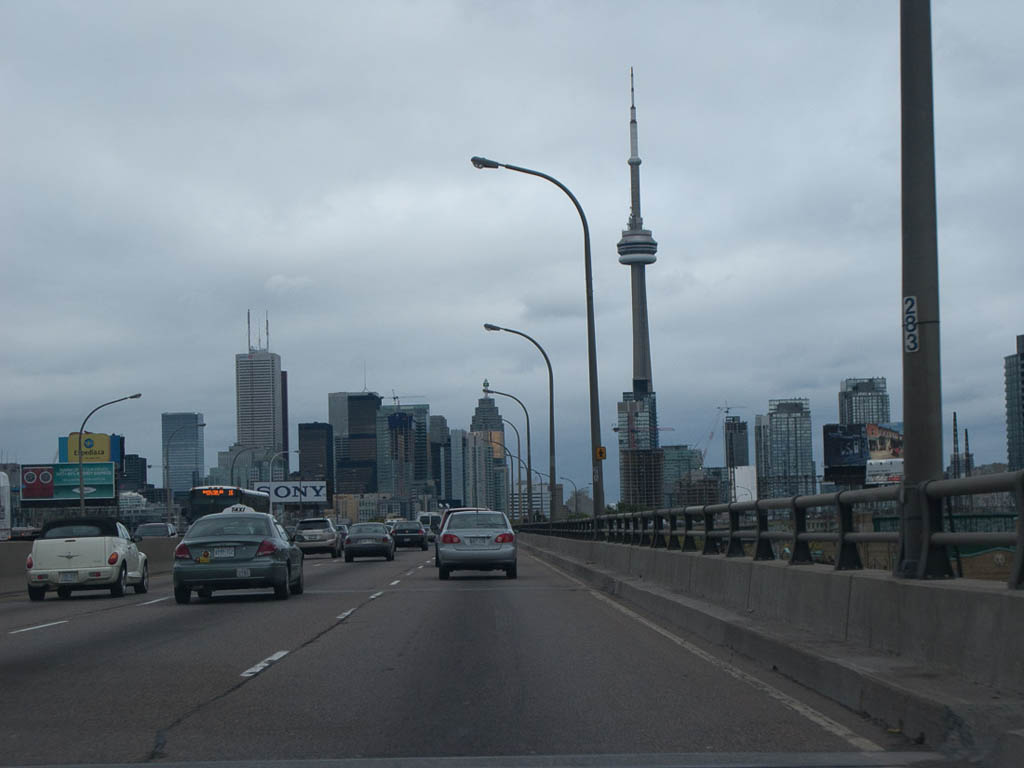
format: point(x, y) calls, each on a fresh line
point(67, 577)
point(223, 551)
point(242, 573)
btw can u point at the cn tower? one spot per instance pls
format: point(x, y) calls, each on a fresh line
point(640, 458)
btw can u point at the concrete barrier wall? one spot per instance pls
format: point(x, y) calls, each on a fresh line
point(964, 627)
point(159, 554)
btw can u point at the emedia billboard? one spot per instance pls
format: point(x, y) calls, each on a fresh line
point(295, 491)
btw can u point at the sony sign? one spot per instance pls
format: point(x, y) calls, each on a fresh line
point(295, 491)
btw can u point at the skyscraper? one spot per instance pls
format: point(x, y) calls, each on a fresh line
point(641, 461)
point(737, 442)
point(183, 445)
point(789, 464)
point(863, 401)
point(680, 461)
point(1014, 367)
point(403, 450)
point(316, 454)
point(353, 416)
point(486, 483)
point(259, 396)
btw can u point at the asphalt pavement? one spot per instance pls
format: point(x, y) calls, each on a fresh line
point(382, 660)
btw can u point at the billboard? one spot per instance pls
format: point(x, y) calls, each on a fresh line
point(846, 445)
point(884, 472)
point(96, 446)
point(885, 441)
point(295, 491)
point(59, 482)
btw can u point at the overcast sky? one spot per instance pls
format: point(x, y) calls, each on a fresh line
point(166, 166)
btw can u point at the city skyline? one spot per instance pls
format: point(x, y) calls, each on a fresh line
point(190, 191)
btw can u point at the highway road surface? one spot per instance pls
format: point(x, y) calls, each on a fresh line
point(382, 660)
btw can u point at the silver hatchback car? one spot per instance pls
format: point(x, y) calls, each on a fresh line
point(476, 540)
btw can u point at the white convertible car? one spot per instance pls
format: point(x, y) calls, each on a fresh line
point(88, 553)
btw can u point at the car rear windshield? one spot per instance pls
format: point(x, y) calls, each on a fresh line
point(477, 520)
point(410, 527)
point(153, 529)
point(375, 529)
point(73, 532)
point(229, 526)
point(305, 525)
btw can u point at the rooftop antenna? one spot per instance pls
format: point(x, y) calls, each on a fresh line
point(248, 329)
point(364, 375)
point(267, 314)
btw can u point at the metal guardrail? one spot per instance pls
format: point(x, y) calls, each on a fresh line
point(675, 528)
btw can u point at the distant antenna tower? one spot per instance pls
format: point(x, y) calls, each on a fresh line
point(267, 315)
point(248, 329)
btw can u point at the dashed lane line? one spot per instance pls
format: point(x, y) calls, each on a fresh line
point(393, 583)
point(255, 670)
point(346, 614)
point(158, 600)
point(375, 595)
point(38, 626)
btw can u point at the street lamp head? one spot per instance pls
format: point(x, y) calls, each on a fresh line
point(492, 327)
point(200, 425)
point(136, 396)
point(483, 162)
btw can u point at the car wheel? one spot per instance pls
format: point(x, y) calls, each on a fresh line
point(424, 547)
point(443, 573)
point(335, 553)
point(512, 573)
point(143, 586)
point(35, 594)
point(298, 586)
point(63, 592)
point(182, 595)
point(390, 555)
point(118, 588)
point(204, 592)
point(348, 557)
point(281, 590)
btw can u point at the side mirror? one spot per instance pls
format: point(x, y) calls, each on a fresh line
point(136, 538)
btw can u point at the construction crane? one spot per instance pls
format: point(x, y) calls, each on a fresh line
point(396, 398)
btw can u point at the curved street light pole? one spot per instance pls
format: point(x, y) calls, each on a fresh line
point(167, 466)
point(519, 454)
point(551, 403)
point(575, 495)
point(596, 450)
point(231, 472)
point(81, 429)
point(529, 458)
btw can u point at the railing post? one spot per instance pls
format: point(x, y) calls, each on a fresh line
point(689, 543)
point(735, 547)
point(658, 539)
point(763, 546)
point(1017, 574)
point(710, 543)
point(673, 537)
point(645, 534)
point(847, 554)
point(933, 561)
point(800, 552)
point(635, 534)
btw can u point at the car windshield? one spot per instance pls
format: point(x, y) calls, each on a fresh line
point(305, 525)
point(151, 529)
point(212, 526)
point(477, 520)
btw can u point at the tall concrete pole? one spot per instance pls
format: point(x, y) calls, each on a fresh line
point(922, 388)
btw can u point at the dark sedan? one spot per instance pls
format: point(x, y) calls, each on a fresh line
point(410, 535)
point(236, 550)
point(369, 540)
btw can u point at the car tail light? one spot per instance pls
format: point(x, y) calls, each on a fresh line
point(267, 547)
point(386, 539)
point(348, 539)
point(28, 562)
point(505, 538)
point(422, 532)
point(112, 560)
point(450, 538)
point(181, 552)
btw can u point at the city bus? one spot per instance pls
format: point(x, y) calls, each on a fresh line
point(206, 499)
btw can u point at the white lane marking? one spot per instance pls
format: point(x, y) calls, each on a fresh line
point(317, 565)
point(38, 626)
point(830, 725)
point(346, 614)
point(159, 599)
point(375, 595)
point(394, 582)
point(255, 670)
point(410, 573)
point(420, 566)
point(427, 561)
